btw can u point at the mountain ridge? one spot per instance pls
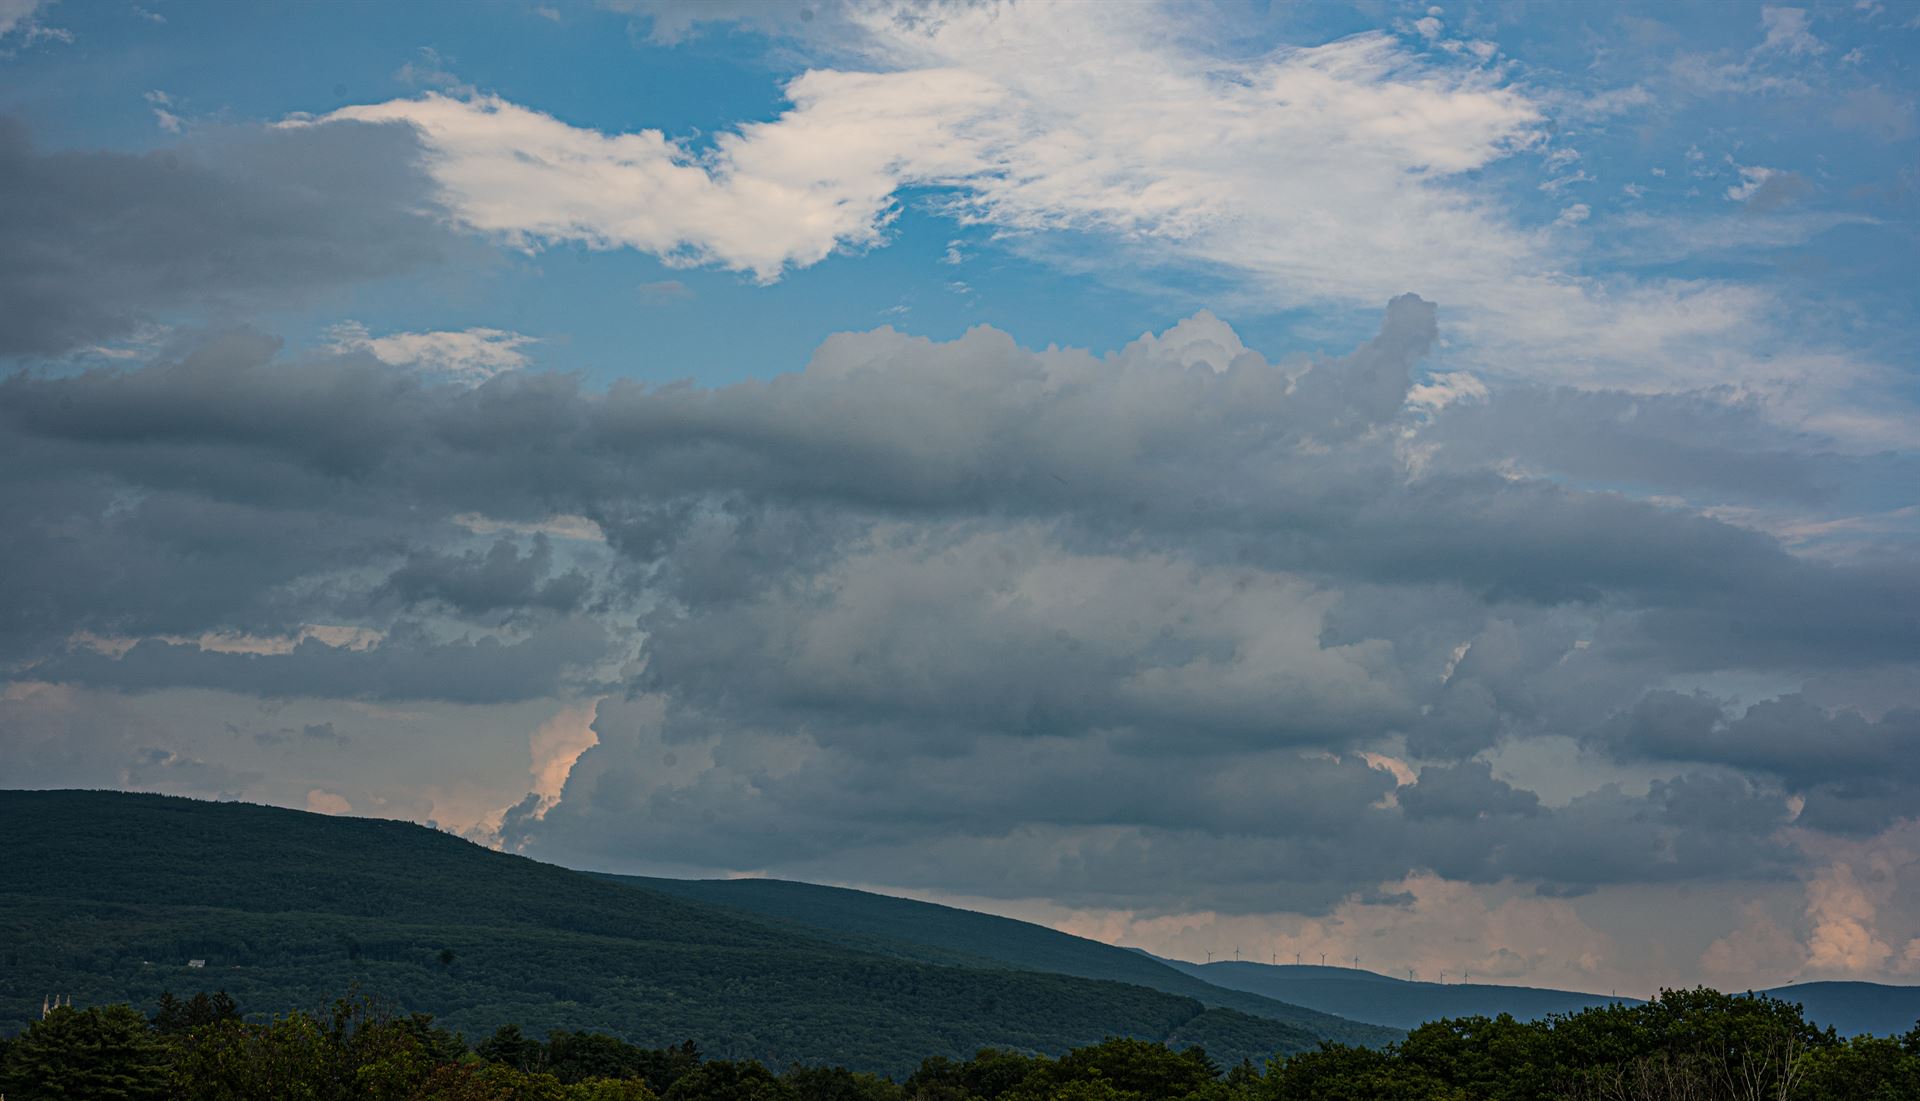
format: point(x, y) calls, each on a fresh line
point(108, 895)
point(955, 935)
point(1851, 1007)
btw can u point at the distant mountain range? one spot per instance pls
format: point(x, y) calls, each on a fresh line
point(1856, 1008)
point(1852, 1008)
point(944, 934)
point(1326, 999)
point(1384, 1000)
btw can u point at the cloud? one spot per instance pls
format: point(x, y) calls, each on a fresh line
point(787, 200)
point(457, 764)
point(1105, 822)
point(1423, 926)
point(162, 104)
point(1756, 227)
point(326, 802)
point(157, 769)
point(1842, 914)
point(662, 291)
point(96, 245)
point(671, 22)
point(21, 18)
point(1465, 791)
point(1444, 389)
point(1127, 630)
point(500, 579)
point(1768, 188)
point(431, 70)
point(1701, 445)
point(556, 745)
point(944, 112)
point(1331, 176)
point(1069, 642)
point(1573, 215)
point(470, 355)
point(1759, 950)
point(1877, 112)
point(1788, 32)
point(321, 733)
point(1854, 774)
point(16, 13)
point(407, 665)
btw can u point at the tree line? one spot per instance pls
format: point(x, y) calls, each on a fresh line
point(1690, 1045)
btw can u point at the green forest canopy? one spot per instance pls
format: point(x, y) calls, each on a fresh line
point(1696, 1045)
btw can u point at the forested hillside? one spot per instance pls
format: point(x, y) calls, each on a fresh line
point(945, 934)
point(108, 896)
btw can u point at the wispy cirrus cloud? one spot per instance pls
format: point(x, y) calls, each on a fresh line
point(20, 19)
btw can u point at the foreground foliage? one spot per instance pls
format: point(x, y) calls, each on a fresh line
point(1696, 1045)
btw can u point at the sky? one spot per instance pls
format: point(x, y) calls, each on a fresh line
point(1435, 484)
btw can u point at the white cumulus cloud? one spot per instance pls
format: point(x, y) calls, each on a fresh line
point(466, 355)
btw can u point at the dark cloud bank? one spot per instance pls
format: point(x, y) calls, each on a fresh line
point(1112, 630)
point(100, 243)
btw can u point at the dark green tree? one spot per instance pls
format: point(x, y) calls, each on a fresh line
point(665, 1066)
point(1139, 1066)
point(988, 1075)
point(1337, 1072)
point(100, 1053)
point(839, 1084)
point(291, 1057)
point(725, 1080)
point(509, 1048)
point(577, 1056)
point(610, 1089)
point(175, 1016)
point(1866, 1068)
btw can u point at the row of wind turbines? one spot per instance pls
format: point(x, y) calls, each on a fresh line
point(1413, 973)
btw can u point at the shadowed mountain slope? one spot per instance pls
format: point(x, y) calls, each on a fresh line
point(108, 896)
point(1852, 1008)
point(1384, 1000)
point(946, 934)
point(1856, 1008)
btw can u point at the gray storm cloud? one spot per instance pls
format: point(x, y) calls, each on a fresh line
point(1110, 629)
point(99, 244)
